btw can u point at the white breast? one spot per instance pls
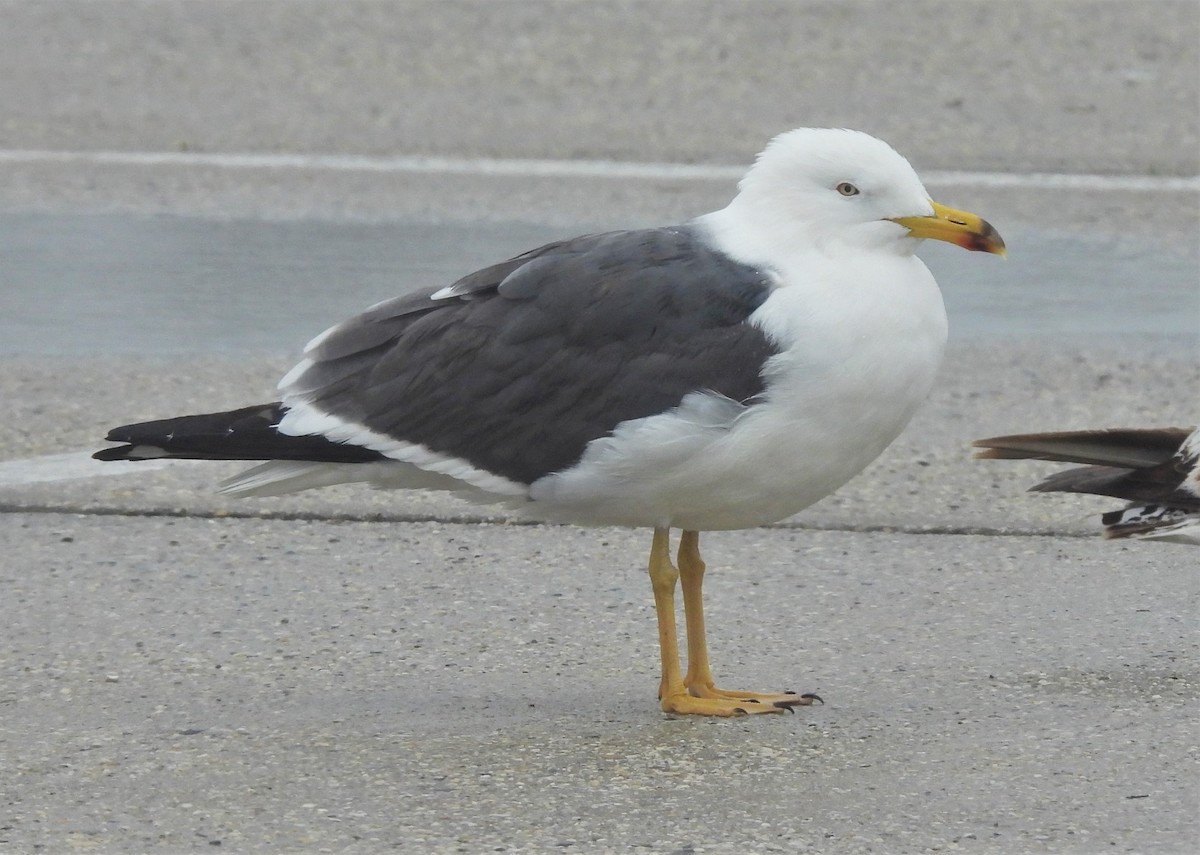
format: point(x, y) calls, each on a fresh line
point(861, 342)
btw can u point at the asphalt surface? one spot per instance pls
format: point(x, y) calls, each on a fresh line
point(349, 671)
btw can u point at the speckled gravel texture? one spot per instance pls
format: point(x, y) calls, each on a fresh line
point(271, 685)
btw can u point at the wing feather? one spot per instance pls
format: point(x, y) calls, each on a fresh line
point(517, 367)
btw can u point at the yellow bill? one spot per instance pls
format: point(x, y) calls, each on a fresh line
point(958, 227)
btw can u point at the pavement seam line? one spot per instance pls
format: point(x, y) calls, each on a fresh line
point(549, 168)
point(466, 519)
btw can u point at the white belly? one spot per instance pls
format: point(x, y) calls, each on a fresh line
point(852, 372)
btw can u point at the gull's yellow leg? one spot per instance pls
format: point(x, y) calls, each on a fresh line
point(671, 691)
point(663, 576)
point(699, 680)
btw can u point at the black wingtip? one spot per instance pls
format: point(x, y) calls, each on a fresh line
point(121, 452)
point(248, 433)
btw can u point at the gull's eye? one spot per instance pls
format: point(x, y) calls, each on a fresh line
point(847, 189)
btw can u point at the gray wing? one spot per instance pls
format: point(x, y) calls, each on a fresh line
point(517, 367)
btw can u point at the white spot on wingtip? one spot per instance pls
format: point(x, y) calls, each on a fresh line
point(297, 371)
point(318, 340)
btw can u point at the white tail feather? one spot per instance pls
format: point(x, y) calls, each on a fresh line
point(279, 477)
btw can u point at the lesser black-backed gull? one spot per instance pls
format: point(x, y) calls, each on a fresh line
point(1157, 470)
point(721, 374)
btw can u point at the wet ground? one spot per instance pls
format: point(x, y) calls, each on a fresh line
point(120, 283)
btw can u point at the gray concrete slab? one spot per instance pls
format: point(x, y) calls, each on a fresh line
point(1076, 87)
point(279, 686)
point(1024, 85)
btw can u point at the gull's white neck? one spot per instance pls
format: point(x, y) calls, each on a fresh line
point(861, 329)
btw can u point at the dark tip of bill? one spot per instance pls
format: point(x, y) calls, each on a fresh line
point(988, 240)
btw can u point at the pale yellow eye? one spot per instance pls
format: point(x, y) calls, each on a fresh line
point(847, 189)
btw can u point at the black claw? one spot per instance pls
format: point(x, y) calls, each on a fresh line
point(813, 696)
point(785, 705)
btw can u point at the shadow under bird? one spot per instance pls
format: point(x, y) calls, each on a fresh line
point(1157, 470)
point(721, 374)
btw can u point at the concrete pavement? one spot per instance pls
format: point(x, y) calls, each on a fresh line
point(280, 686)
point(1019, 86)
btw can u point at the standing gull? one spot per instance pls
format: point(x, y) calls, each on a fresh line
point(1156, 469)
point(721, 374)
